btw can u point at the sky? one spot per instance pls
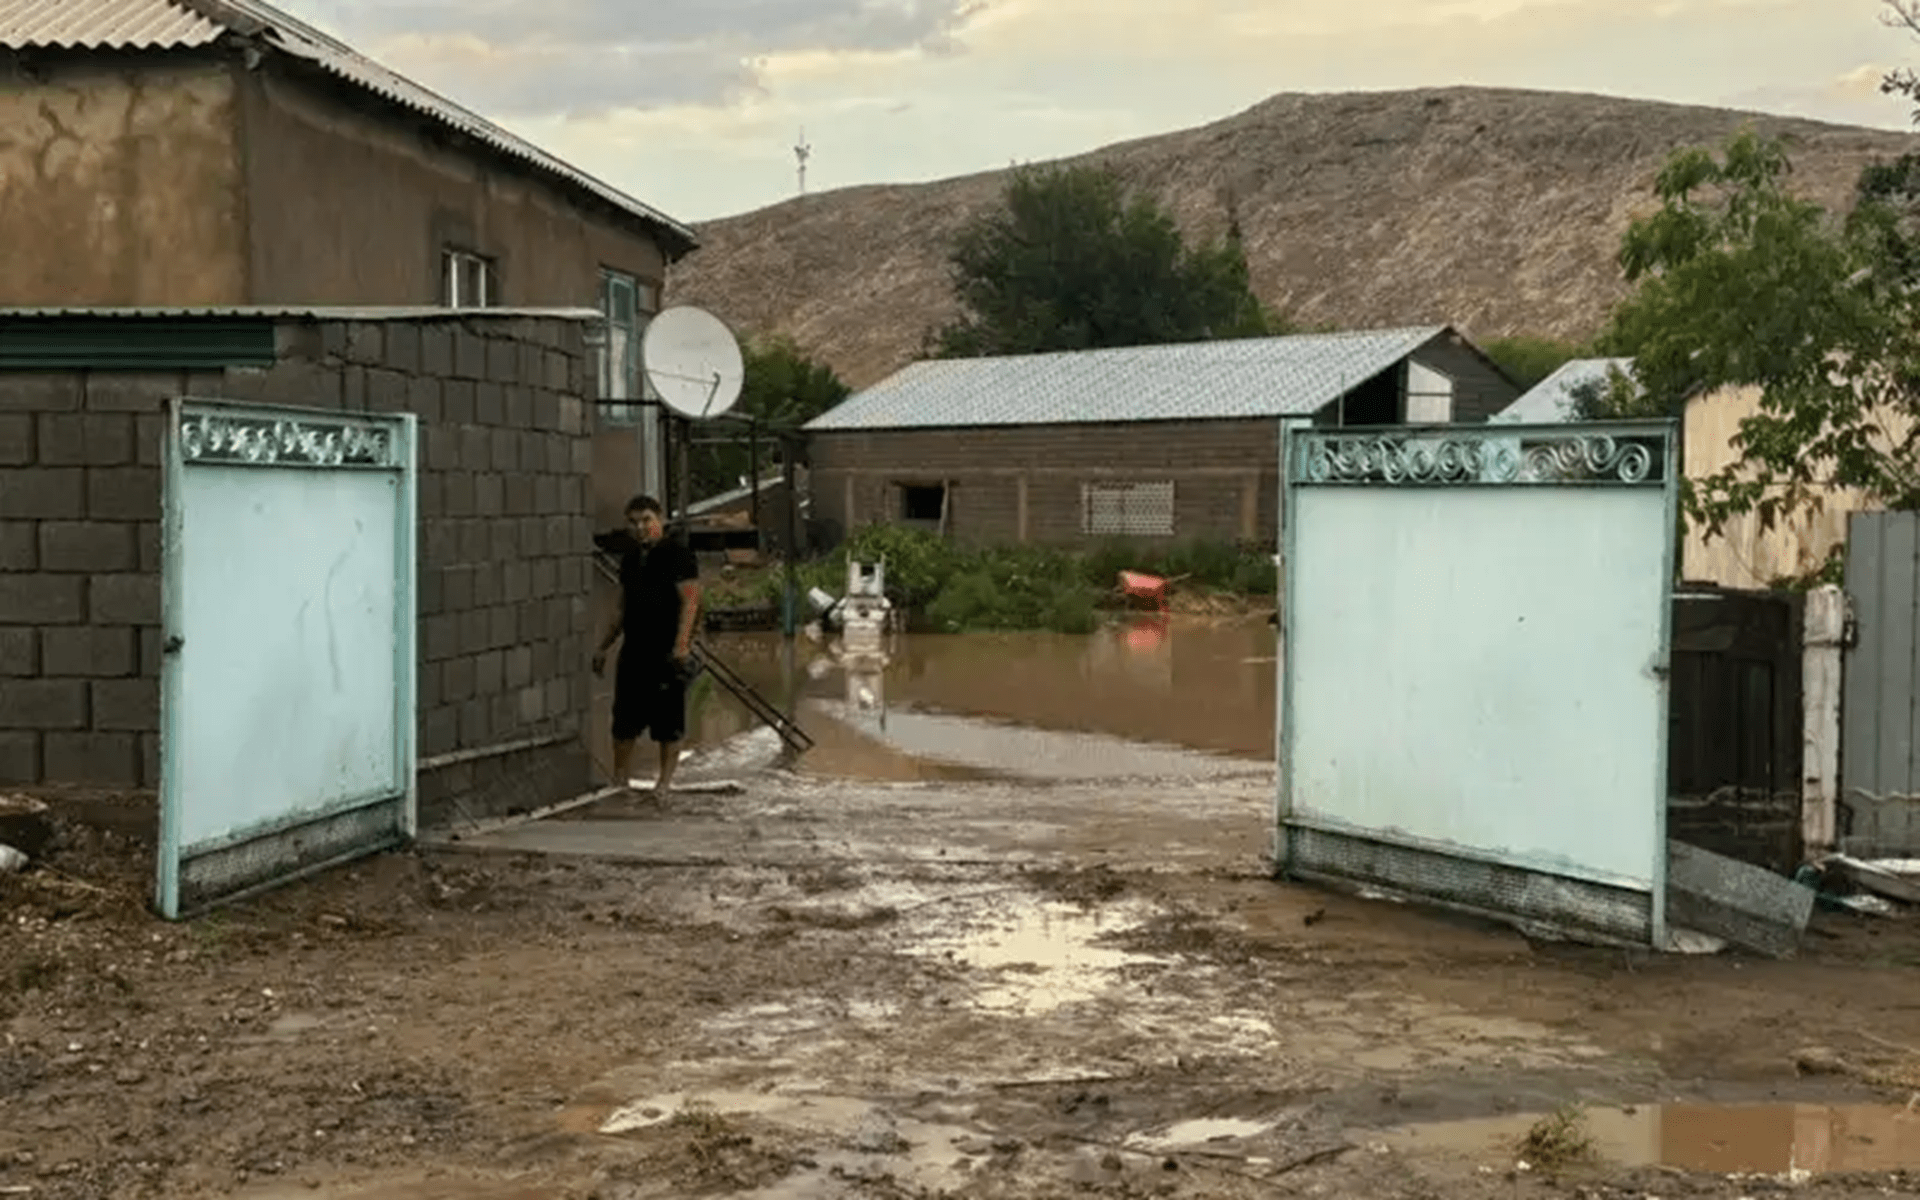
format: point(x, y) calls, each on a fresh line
point(695, 106)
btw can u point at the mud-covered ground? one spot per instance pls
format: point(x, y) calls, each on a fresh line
point(809, 988)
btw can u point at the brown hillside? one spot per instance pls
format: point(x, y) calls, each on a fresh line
point(1497, 211)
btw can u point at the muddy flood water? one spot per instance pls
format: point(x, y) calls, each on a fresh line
point(1180, 697)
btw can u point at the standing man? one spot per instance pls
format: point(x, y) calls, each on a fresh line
point(659, 601)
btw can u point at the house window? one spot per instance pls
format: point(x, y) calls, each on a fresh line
point(1429, 395)
point(922, 503)
point(628, 305)
point(466, 280)
point(1126, 509)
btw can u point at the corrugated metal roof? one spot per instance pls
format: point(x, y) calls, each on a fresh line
point(103, 25)
point(1256, 377)
point(172, 24)
point(743, 492)
point(305, 312)
point(1551, 400)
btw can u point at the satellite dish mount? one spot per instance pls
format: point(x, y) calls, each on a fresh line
point(693, 363)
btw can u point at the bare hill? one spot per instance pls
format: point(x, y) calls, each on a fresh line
point(1497, 211)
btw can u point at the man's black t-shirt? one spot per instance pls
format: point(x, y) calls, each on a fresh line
point(650, 580)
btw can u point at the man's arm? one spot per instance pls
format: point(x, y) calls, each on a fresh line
point(689, 613)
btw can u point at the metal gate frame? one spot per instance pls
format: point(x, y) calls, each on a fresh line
point(1561, 896)
point(203, 433)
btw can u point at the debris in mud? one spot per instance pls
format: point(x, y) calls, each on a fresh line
point(700, 1148)
point(835, 918)
point(1557, 1140)
point(1093, 885)
point(24, 827)
point(1192, 935)
point(1778, 1140)
point(878, 1135)
point(1819, 1060)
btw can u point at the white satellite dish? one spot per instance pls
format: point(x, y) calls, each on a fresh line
point(693, 362)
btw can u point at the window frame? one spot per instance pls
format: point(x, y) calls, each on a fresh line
point(453, 260)
point(630, 390)
point(1125, 524)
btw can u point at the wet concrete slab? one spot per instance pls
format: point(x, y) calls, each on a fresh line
point(781, 820)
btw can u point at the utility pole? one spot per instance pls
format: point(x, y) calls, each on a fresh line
point(802, 152)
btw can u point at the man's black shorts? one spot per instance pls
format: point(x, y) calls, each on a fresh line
point(649, 696)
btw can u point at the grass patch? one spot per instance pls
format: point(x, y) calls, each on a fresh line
point(1559, 1139)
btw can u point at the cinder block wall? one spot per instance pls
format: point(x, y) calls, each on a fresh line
point(1226, 476)
point(503, 585)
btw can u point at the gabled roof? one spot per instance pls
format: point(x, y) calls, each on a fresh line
point(1551, 400)
point(185, 24)
point(1194, 381)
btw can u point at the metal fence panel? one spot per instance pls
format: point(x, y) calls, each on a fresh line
point(1475, 647)
point(288, 702)
point(1880, 719)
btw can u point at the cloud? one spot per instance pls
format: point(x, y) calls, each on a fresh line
point(1850, 98)
point(581, 57)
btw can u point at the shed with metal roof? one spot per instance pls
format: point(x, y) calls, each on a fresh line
point(1164, 442)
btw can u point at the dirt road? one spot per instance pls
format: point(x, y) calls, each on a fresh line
point(827, 989)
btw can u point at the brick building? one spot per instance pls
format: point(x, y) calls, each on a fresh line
point(225, 153)
point(1157, 442)
point(503, 585)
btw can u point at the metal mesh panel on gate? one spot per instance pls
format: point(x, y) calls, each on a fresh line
point(230, 872)
point(1475, 885)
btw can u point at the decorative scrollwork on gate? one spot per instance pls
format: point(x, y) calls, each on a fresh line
point(280, 441)
point(1480, 457)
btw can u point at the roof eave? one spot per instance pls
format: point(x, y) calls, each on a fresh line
point(675, 240)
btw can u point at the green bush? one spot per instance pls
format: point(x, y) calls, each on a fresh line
point(1006, 595)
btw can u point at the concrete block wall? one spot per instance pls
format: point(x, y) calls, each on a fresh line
point(1225, 475)
point(504, 501)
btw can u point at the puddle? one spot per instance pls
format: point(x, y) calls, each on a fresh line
point(1764, 1139)
point(1044, 956)
point(1200, 1132)
point(992, 747)
point(871, 1142)
point(1192, 683)
point(831, 1114)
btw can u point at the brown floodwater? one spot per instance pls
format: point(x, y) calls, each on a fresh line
point(1198, 684)
point(1758, 1139)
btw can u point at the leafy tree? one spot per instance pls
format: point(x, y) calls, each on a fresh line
point(1740, 283)
point(784, 389)
point(1528, 360)
point(1071, 261)
point(1617, 397)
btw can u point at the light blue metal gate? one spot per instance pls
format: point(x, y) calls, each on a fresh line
point(1473, 668)
point(287, 683)
point(1880, 706)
